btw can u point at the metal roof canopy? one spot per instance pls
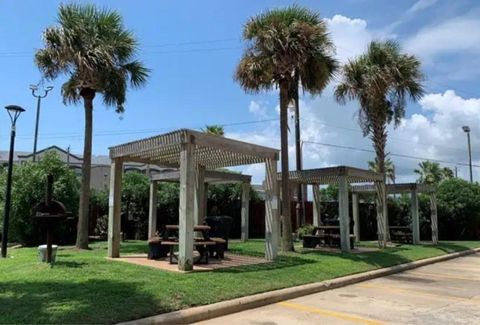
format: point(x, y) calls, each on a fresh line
point(331, 175)
point(211, 176)
point(211, 151)
point(396, 188)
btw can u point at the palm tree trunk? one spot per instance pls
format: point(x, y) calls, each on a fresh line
point(379, 139)
point(83, 209)
point(287, 241)
point(300, 211)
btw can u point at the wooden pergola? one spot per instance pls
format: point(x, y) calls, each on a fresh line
point(413, 189)
point(341, 176)
point(193, 153)
point(201, 190)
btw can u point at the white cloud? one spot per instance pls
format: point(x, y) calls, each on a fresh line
point(258, 109)
point(421, 5)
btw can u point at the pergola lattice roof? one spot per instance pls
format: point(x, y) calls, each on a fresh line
point(211, 176)
point(211, 151)
point(396, 188)
point(330, 175)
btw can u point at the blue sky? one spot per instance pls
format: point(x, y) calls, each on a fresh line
point(193, 47)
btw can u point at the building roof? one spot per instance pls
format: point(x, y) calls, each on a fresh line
point(331, 175)
point(211, 151)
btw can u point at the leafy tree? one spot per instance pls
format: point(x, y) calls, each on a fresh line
point(381, 80)
point(29, 180)
point(432, 173)
point(135, 197)
point(97, 54)
point(214, 129)
point(389, 169)
point(287, 48)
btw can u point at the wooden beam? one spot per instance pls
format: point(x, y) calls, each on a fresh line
point(434, 218)
point(343, 213)
point(356, 217)
point(114, 208)
point(317, 218)
point(199, 211)
point(152, 210)
point(271, 210)
point(186, 207)
point(415, 218)
point(245, 210)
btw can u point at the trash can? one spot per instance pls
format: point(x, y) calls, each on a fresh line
point(42, 253)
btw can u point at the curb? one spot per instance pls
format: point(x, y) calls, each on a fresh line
point(201, 313)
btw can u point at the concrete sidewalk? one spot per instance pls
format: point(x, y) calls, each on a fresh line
point(442, 293)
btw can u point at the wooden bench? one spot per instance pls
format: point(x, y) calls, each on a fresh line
point(200, 247)
point(401, 234)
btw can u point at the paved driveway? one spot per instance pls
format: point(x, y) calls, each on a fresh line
point(442, 293)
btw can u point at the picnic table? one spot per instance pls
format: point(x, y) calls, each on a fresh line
point(401, 234)
point(328, 236)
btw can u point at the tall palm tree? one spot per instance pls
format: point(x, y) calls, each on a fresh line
point(389, 168)
point(287, 48)
point(91, 47)
point(432, 173)
point(382, 79)
point(214, 129)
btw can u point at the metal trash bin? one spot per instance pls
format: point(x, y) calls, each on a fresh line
point(42, 253)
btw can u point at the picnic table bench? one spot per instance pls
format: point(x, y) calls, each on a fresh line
point(401, 234)
point(327, 236)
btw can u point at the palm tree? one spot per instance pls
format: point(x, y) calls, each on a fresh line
point(214, 129)
point(381, 80)
point(431, 173)
point(97, 54)
point(287, 48)
point(389, 168)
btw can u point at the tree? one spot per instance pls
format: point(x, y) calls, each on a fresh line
point(382, 79)
point(214, 129)
point(432, 173)
point(389, 169)
point(286, 48)
point(97, 54)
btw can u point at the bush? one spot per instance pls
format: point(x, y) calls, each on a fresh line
point(306, 229)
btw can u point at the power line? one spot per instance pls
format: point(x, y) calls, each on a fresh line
point(391, 154)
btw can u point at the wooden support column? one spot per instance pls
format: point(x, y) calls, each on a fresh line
point(245, 210)
point(356, 217)
point(414, 214)
point(317, 220)
point(114, 208)
point(186, 207)
point(271, 210)
point(381, 224)
point(343, 213)
point(200, 195)
point(434, 217)
point(152, 209)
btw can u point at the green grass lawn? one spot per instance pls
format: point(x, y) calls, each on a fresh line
point(85, 287)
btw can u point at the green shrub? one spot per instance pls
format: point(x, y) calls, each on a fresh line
point(306, 229)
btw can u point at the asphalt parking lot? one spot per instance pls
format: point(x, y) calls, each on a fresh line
point(442, 293)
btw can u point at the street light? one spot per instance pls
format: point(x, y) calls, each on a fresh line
point(34, 89)
point(466, 129)
point(14, 112)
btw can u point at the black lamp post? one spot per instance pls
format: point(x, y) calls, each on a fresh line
point(34, 89)
point(466, 129)
point(14, 111)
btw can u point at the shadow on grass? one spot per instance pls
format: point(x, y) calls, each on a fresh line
point(69, 264)
point(450, 247)
point(92, 301)
point(281, 262)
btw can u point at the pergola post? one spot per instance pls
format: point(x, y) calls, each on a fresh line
point(356, 217)
point(186, 207)
point(114, 208)
point(199, 210)
point(271, 210)
point(434, 217)
point(152, 209)
point(245, 210)
point(414, 214)
point(343, 213)
point(317, 220)
point(381, 225)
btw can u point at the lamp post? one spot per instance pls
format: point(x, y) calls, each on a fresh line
point(34, 89)
point(466, 129)
point(14, 112)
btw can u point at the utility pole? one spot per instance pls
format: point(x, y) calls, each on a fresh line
point(300, 211)
point(466, 129)
point(34, 89)
point(68, 156)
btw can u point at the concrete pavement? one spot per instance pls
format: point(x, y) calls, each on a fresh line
point(441, 293)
